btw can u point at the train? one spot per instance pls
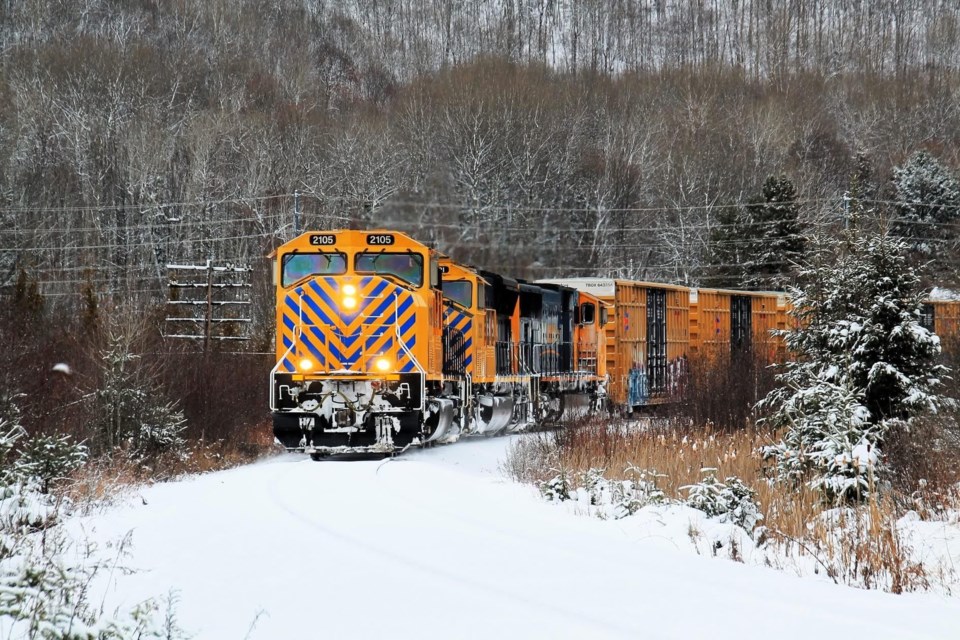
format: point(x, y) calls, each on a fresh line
point(384, 343)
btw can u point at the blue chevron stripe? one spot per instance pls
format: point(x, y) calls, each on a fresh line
point(312, 304)
point(386, 302)
point(407, 325)
point(411, 343)
point(349, 341)
point(320, 293)
point(318, 336)
point(305, 339)
point(467, 361)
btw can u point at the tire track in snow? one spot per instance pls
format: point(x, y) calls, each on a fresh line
point(393, 555)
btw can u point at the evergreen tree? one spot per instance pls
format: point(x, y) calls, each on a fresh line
point(862, 364)
point(756, 247)
point(726, 249)
point(777, 241)
point(131, 410)
point(928, 200)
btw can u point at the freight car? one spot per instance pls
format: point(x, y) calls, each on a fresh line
point(727, 323)
point(383, 343)
point(648, 338)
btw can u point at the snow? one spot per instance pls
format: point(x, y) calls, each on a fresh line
point(438, 544)
point(62, 367)
point(939, 294)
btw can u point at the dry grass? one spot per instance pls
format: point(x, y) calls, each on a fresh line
point(676, 453)
point(103, 479)
point(859, 547)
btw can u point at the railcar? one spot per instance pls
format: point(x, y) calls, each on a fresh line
point(728, 324)
point(647, 338)
point(941, 314)
point(383, 343)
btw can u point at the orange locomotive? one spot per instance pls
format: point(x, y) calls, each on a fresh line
point(383, 343)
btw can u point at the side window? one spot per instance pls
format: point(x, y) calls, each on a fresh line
point(587, 313)
point(435, 277)
point(604, 316)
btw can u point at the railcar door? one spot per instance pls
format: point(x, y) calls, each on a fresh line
point(928, 318)
point(657, 340)
point(741, 331)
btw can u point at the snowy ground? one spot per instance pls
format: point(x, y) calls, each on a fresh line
point(437, 544)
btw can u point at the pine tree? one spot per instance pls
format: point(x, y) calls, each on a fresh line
point(132, 411)
point(928, 199)
point(757, 246)
point(777, 241)
point(726, 249)
point(862, 364)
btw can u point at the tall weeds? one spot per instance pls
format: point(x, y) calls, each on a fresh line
point(855, 546)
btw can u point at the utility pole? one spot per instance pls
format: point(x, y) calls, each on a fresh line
point(209, 314)
point(296, 213)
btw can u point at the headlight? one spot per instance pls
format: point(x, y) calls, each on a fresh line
point(306, 364)
point(382, 364)
point(349, 290)
point(349, 303)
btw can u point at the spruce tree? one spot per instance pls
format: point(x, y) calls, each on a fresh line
point(928, 201)
point(757, 246)
point(727, 244)
point(862, 363)
point(777, 241)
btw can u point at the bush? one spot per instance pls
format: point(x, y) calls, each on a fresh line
point(49, 459)
point(730, 500)
point(130, 408)
point(44, 587)
point(614, 499)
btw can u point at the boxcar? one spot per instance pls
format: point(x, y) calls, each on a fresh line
point(726, 323)
point(648, 337)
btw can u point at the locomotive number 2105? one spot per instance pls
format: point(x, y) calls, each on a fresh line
point(380, 239)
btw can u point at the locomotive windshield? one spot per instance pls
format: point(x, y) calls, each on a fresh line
point(406, 266)
point(460, 291)
point(297, 266)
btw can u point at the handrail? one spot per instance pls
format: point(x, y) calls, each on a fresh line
point(406, 350)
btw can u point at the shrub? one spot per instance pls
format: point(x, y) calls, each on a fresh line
point(614, 499)
point(49, 459)
point(730, 500)
point(130, 407)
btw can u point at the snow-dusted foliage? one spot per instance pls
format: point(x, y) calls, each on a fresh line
point(43, 595)
point(928, 196)
point(44, 585)
point(730, 500)
point(130, 408)
point(612, 499)
point(48, 459)
point(861, 362)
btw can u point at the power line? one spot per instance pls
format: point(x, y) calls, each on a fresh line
point(140, 206)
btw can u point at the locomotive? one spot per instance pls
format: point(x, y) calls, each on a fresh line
point(384, 343)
